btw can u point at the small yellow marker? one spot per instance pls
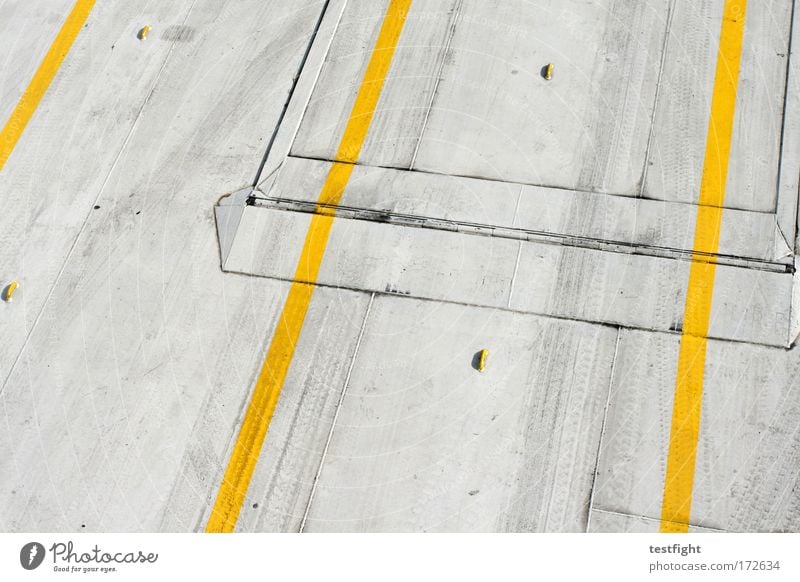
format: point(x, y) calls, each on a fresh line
point(9, 294)
point(484, 355)
point(548, 71)
point(144, 32)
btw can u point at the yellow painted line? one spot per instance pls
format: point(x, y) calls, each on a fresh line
point(679, 479)
point(27, 104)
point(253, 431)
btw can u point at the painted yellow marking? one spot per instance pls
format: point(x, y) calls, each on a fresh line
point(253, 431)
point(679, 479)
point(27, 104)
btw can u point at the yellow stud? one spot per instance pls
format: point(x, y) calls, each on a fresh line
point(144, 32)
point(548, 71)
point(9, 294)
point(484, 355)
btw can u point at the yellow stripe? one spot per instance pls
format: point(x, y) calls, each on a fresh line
point(679, 480)
point(38, 86)
point(262, 404)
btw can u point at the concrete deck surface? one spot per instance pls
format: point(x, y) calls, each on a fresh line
point(551, 222)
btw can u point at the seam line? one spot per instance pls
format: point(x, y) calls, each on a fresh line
point(336, 414)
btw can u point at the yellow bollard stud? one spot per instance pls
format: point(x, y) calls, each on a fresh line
point(8, 295)
point(484, 355)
